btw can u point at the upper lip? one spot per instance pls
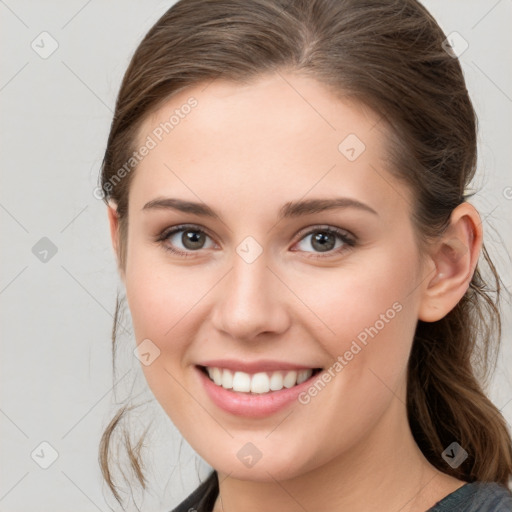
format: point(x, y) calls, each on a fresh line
point(263, 365)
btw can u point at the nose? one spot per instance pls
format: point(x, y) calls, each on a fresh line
point(251, 301)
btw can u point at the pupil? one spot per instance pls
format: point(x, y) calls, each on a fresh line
point(323, 240)
point(192, 239)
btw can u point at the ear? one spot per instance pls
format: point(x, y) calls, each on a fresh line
point(113, 220)
point(454, 258)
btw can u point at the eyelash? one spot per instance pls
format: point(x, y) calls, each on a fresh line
point(348, 241)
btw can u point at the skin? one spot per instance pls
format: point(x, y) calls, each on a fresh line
point(245, 150)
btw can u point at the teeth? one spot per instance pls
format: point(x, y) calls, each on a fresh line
point(227, 380)
point(303, 375)
point(261, 382)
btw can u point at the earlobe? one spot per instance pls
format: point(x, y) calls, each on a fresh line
point(455, 257)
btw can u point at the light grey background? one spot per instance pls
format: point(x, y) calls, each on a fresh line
point(57, 315)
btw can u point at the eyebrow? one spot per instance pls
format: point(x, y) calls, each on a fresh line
point(288, 210)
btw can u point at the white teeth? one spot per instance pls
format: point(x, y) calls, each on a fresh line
point(217, 376)
point(302, 376)
point(261, 382)
point(227, 380)
point(290, 380)
point(276, 381)
point(241, 381)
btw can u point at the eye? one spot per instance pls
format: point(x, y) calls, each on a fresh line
point(187, 239)
point(326, 239)
point(183, 240)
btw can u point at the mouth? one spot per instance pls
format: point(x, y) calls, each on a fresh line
point(259, 383)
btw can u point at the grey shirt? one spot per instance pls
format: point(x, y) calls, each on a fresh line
point(471, 497)
point(476, 497)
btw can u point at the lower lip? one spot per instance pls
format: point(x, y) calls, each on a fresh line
point(252, 405)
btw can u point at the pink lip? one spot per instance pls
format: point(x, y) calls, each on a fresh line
point(252, 405)
point(263, 365)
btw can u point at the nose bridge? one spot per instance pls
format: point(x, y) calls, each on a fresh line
point(249, 300)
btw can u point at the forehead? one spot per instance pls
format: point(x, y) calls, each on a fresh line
point(282, 135)
point(283, 108)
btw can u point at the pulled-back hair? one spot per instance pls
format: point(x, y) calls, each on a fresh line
point(390, 56)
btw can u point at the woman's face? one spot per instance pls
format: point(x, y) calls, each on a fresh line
point(261, 281)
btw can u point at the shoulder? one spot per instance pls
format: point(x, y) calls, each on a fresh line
point(476, 497)
point(202, 498)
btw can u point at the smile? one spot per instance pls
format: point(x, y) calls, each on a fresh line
point(254, 389)
point(258, 383)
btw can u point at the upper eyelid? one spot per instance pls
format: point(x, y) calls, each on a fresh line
point(326, 227)
point(182, 227)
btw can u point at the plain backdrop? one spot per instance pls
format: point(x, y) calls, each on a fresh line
point(58, 277)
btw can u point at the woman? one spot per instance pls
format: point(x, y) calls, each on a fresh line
point(286, 185)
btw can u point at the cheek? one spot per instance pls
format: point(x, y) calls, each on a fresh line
point(369, 316)
point(160, 299)
point(159, 295)
point(373, 316)
point(368, 292)
point(165, 302)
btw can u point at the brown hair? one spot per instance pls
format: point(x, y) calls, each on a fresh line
point(390, 56)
